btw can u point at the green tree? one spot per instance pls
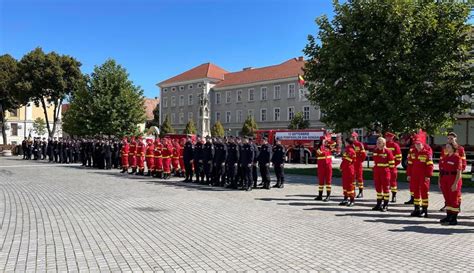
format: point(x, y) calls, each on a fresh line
point(166, 127)
point(218, 130)
point(39, 126)
point(10, 97)
point(400, 65)
point(298, 122)
point(49, 79)
point(249, 127)
point(156, 118)
point(109, 104)
point(190, 128)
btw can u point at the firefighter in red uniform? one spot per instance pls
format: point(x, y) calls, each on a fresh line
point(124, 155)
point(452, 137)
point(347, 169)
point(175, 158)
point(150, 156)
point(158, 171)
point(360, 157)
point(449, 181)
point(181, 157)
point(383, 163)
point(140, 155)
point(166, 154)
point(397, 154)
point(419, 172)
point(132, 160)
point(324, 161)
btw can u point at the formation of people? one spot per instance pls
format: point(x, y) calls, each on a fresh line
point(226, 162)
point(386, 158)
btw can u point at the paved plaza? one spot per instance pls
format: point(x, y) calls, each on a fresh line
point(68, 218)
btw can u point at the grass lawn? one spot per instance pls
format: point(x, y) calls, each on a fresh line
point(402, 177)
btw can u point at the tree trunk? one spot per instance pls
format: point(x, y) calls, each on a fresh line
point(2, 121)
point(45, 111)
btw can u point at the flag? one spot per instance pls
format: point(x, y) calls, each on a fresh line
point(300, 79)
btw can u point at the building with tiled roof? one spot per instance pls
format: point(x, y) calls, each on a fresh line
point(271, 94)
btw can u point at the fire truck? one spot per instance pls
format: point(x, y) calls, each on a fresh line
point(300, 144)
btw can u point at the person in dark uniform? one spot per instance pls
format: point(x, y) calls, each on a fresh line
point(220, 156)
point(44, 145)
point(208, 155)
point(56, 150)
point(36, 149)
point(246, 161)
point(232, 162)
point(254, 163)
point(278, 160)
point(264, 157)
point(89, 152)
point(70, 152)
point(24, 146)
point(198, 160)
point(50, 149)
point(240, 170)
point(188, 156)
point(107, 148)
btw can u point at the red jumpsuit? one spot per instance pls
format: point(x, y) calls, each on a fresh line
point(140, 155)
point(175, 158)
point(397, 154)
point(420, 169)
point(360, 157)
point(150, 157)
point(347, 169)
point(132, 160)
point(158, 156)
point(124, 154)
point(449, 166)
point(324, 160)
point(383, 163)
point(166, 154)
point(462, 155)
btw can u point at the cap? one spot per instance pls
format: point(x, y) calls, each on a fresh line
point(389, 135)
point(354, 134)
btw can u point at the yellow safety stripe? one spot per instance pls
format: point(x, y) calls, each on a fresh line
point(348, 159)
point(429, 163)
point(382, 165)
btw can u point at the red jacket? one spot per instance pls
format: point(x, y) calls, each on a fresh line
point(450, 164)
point(323, 155)
point(348, 158)
point(150, 149)
point(140, 149)
point(460, 152)
point(383, 158)
point(396, 151)
point(125, 149)
point(360, 152)
point(420, 162)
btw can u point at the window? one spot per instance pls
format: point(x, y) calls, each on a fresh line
point(173, 89)
point(173, 118)
point(190, 99)
point(306, 112)
point(239, 95)
point(181, 100)
point(165, 90)
point(227, 97)
point(239, 116)
point(190, 86)
point(276, 114)
point(181, 88)
point(251, 94)
point(276, 92)
point(199, 85)
point(291, 113)
point(250, 113)
point(14, 113)
point(181, 118)
point(218, 116)
point(263, 93)
point(14, 129)
point(218, 98)
point(303, 94)
point(228, 117)
point(165, 102)
point(173, 101)
point(190, 116)
point(291, 90)
point(263, 115)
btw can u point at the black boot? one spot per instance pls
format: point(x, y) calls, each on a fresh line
point(344, 202)
point(378, 206)
point(394, 197)
point(416, 212)
point(328, 197)
point(255, 184)
point(277, 185)
point(424, 212)
point(134, 170)
point(351, 202)
point(123, 170)
point(282, 184)
point(148, 173)
point(361, 193)
point(320, 196)
point(443, 208)
point(446, 219)
point(266, 185)
point(454, 220)
point(385, 206)
point(411, 201)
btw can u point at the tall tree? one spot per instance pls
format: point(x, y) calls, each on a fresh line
point(249, 127)
point(39, 126)
point(190, 128)
point(156, 118)
point(298, 122)
point(166, 127)
point(109, 104)
point(402, 65)
point(49, 79)
point(218, 130)
point(10, 97)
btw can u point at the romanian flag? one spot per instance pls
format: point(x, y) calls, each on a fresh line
point(300, 79)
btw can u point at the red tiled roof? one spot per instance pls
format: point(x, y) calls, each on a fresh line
point(288, 69)
point(207, 70)
point(150, 105)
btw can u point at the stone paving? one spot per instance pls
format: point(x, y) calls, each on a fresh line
point(67, 218)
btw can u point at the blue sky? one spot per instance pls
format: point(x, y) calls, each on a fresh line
point(155, 40)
